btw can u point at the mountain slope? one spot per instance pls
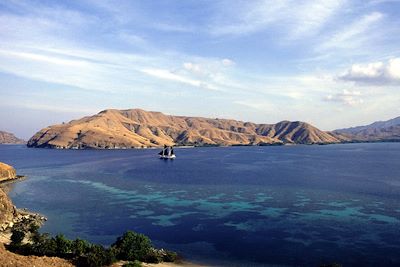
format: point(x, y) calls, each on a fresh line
point(135, 128)
point(378, 131)
point(9, 138)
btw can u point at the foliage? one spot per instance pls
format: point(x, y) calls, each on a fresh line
point(17, 236)
point(170, 256)
point(132, 246)
point(80, 247)
point(153, 256)
point(96, 256)
point(63, 246)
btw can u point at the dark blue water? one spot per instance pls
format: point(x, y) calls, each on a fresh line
point(237, 206)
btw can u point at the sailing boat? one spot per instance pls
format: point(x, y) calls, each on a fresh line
point(167, 153)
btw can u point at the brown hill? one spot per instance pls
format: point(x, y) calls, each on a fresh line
point(7, 172)
point(378, 131)
point(136, 128)
point(9, 138)
point(9, 259)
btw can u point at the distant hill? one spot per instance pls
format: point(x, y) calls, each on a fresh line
point(9, 138)
point(378, 131)
point(136, 128)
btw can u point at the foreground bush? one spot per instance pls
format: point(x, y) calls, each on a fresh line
point(96, 256)
point(130, 246)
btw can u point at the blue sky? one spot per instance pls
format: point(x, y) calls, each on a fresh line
point(331, 63)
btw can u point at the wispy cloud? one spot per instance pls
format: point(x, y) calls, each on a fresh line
point(262, 55)
point(353, 36)
point(297, 19)
point(350, 98)
point(168, 75)
point(311, 17)
point(53, 108)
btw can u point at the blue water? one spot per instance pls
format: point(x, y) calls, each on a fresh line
point(236, 206)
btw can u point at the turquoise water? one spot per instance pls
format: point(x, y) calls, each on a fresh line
point(236, 206)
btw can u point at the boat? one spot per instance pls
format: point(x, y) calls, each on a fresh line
point(167, 153)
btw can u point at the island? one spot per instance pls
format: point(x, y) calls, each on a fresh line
point(9, 138)
point(137, 128)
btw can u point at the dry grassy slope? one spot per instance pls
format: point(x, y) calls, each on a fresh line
point(9, 138)
point(374, 134)
point(7, 172)
point(378, 131)
point(8, 259)
point(135, 128)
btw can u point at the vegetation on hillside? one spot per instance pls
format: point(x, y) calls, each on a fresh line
point(131, 246)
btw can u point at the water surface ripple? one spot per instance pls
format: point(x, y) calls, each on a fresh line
point(236, 206)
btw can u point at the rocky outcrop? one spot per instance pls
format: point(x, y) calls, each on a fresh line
point(7, 172)
point(136, 128)
point(7, 211)
point(9, 138)
point(9, 218)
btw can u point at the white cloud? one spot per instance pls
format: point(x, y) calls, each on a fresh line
point(45, 58)
point(374, 73)
point(352, 36)
point(346, 97)
point(173, 28)
point(228, 62)
point(192, 67)
point(297, 18)
point(310, 17)
point(168, 75)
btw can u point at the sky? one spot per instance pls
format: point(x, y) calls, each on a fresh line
point(332, 63)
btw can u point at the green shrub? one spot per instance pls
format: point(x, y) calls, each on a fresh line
point(153, 256)
point(170, 256)
point(17, 237)
point(96, 257)
point(132, 246)
point(79, 247)
point(45, 246)
point(34, 228)
point(63, 245)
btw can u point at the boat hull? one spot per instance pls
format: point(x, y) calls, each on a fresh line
point(167, 157)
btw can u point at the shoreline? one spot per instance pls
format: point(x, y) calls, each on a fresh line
point(24, 218)
point(12, 180)
point(216, 145)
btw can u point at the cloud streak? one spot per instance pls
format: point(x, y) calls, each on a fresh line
point(346, 97)
point(299, 19)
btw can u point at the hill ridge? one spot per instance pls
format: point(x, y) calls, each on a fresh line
point(388, 130)
point(137, 128)
point(9, 138)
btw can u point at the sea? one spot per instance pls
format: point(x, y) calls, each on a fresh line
point(224, 206)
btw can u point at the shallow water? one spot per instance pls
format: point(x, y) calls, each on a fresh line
point(236, 206)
